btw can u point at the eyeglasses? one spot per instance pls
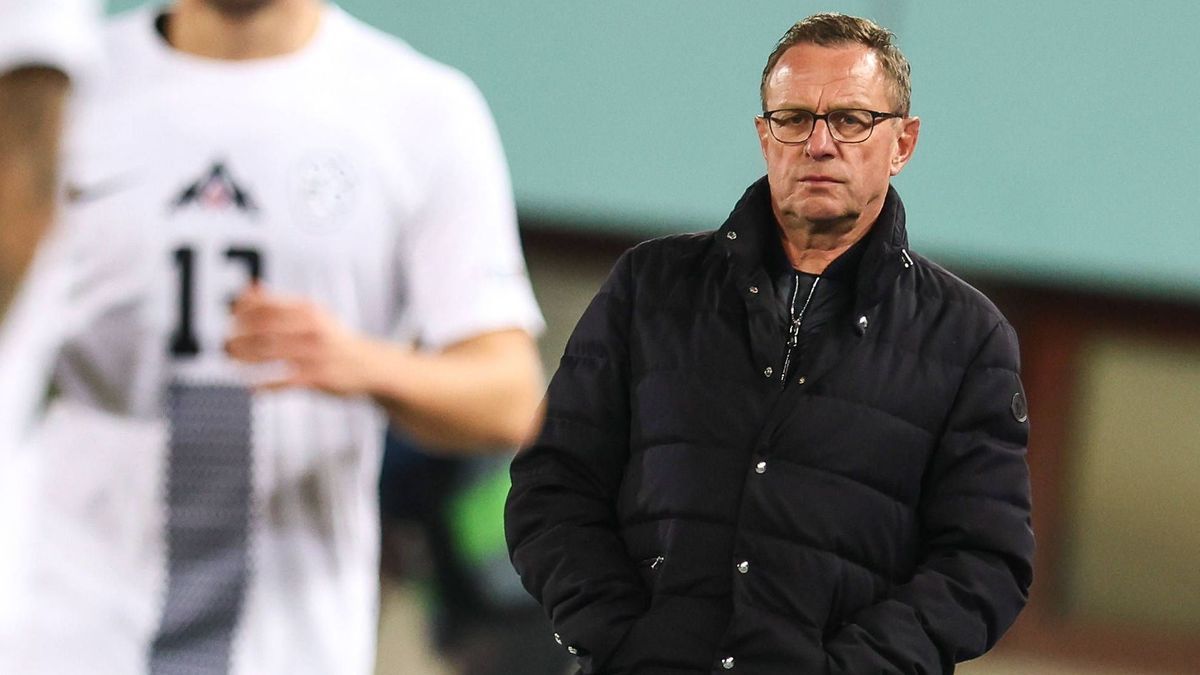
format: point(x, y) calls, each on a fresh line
point(847, 126)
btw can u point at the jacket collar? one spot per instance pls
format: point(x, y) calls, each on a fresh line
point(749, 239)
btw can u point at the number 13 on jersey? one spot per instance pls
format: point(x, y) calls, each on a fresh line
point(208, 282)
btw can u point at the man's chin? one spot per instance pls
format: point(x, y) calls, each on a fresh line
point(239, 8)
point(824, 216)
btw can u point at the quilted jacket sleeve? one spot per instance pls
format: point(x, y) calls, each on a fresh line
point(560, 520)
point(976, 567)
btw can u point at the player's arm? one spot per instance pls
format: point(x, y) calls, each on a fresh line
point(469, 300)
point(482, 392)
point(31, 109)
point(479, 393)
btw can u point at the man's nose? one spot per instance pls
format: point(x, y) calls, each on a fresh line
point(820, 143)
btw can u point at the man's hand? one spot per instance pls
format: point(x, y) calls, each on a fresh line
point(478, 394)
point(317, 349)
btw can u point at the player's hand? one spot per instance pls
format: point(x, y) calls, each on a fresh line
point(318, 351)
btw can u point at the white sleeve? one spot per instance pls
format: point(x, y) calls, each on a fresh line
point(462, 258)
point(62, 34)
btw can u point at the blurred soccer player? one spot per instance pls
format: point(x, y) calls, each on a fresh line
point(338, 219)
point(46, 47)
point(42, 44)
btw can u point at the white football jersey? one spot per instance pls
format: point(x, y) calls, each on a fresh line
point(355, 173)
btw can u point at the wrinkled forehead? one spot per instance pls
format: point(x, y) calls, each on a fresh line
point(808, 76)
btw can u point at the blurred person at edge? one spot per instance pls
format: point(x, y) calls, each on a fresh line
point(337, 225)
point(791, 445)
point(49, 50)
point(45, 47)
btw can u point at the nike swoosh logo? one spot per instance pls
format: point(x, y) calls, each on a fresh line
point(76, 193)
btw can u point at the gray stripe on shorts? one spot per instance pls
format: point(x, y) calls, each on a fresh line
point(208, 490)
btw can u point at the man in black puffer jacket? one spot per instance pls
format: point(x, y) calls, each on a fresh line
point(791, 445)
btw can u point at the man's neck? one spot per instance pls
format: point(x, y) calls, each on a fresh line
point(811, 250)
point(269, 29)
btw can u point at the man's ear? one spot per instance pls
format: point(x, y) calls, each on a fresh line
point(906, 143)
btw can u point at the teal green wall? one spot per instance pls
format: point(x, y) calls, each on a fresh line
point(1060, 140)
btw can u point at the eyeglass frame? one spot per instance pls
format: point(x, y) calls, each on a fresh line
point(876, 118)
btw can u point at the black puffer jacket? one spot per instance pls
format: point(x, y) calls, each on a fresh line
point(683, 511)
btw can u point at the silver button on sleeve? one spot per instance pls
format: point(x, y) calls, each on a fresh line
point(743, 566)
point(727, 663)
point(761, 467)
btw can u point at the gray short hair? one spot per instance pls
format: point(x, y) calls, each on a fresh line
point(832, 30)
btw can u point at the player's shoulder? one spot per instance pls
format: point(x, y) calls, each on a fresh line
point(128, 42)
point(393, 61)
point(124, 27)
point(126, 20)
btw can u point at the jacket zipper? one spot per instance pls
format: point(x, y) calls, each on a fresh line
point(793, 340)
point(652, 563)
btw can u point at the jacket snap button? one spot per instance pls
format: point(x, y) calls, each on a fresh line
point(727, 663)
point(863, 323)
point(754, 289)
point(743, 566)
point(802, 380)
point(572, 651)
point(767, 371)
point(558, 638)
point(731, 234)
point(761, 467)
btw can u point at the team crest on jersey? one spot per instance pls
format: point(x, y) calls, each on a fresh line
point(323, 187)
point(216, 191)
